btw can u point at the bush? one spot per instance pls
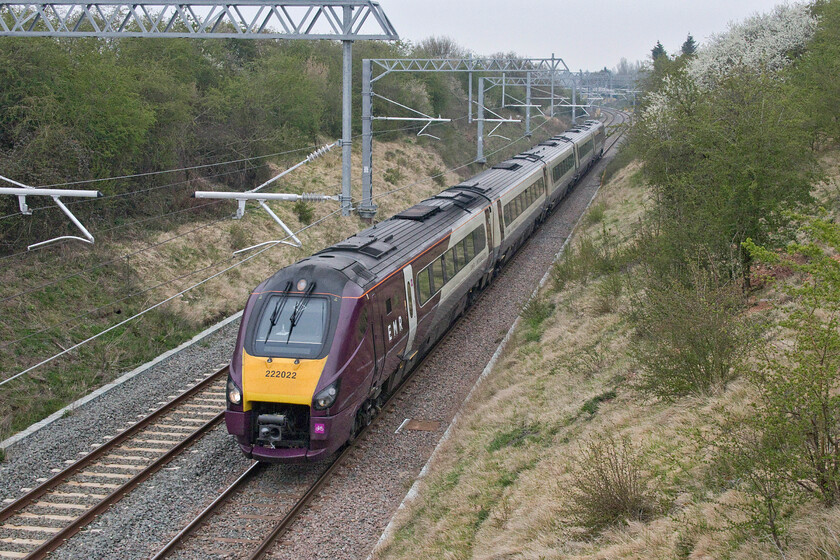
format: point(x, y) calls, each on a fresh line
point(609, 485)
point(304, 212)
point(393, 175)
point(607, 293)
point(438, 176)
point(621, 160)
point(690, 338)
point(589, 258)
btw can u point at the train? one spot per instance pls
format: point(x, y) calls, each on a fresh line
point(322, 342)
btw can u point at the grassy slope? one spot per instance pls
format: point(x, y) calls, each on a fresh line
point(500, 485)
point(203, 246)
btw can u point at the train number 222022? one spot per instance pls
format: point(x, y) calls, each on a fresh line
point(281, 374)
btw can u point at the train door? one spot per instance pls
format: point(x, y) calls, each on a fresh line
point(411, 309)
point(488, 224)
point(501, 228)
point(376, 331)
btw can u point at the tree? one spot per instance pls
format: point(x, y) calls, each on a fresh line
point(818, 69)
point(689, 47)
point(724, 164)
point(658, 51)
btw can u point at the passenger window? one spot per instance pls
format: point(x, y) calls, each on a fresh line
point(437, 275)
point(424, 286)
point(449, 259)
point(469, 247)
point(388, 306)
point(460, 252)
point(478, 240)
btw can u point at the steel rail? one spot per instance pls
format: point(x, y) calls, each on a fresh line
point(117, 494)
point(291, 516)
point(313, 491)
point(212, 508)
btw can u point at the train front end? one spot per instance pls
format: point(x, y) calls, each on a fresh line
point(284, 393)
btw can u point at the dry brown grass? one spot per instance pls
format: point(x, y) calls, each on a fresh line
point(498, 486)
point(173, 260)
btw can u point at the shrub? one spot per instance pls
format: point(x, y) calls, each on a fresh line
point(304, 212)
point(607, 293)
point(438, 176)
point(609, 485)
point(393, 175)
point(689, 338)
point(589, 258)
point(621, 160)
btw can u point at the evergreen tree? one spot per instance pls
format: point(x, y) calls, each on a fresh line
point(689, 47)
point(658, 51)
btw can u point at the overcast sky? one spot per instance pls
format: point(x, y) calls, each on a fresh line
point(586, 34)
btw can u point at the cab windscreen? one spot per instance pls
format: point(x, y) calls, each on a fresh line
point(292, 326)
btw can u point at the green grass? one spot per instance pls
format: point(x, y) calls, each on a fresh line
point(515, 437)
point(591, 406)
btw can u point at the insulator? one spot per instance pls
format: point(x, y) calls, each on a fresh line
point(312, 197)
point(319, 152)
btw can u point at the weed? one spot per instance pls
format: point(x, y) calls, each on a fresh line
point(2, 454)
point(609, 485)
point(586, 361)
point(590, 258)
point(304, 212)
point(596, 213)
point(239, 237)
point(621, 160)
point(534, 314)
point(684, 546)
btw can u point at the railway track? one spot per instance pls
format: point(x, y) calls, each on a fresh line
point(274, 512)
point(46, 516)
point(277, 510)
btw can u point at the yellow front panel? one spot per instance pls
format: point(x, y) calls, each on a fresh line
point(280, 380)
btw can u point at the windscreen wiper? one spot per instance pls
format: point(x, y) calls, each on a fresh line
point(298, 310)
point(278, 310)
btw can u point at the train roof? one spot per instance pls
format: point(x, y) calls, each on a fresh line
point(375, 253)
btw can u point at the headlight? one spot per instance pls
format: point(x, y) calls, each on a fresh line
point(326, 396)
point(234, 394)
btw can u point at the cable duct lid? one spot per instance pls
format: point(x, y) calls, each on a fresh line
point(418, 212)
point(508, 165)
point(367, 245)
point(357, 273)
